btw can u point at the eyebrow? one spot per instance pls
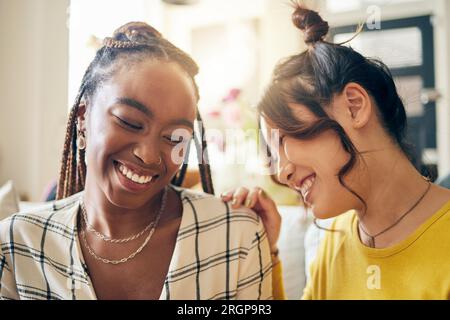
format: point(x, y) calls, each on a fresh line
point(135, 104)
point(141, 107)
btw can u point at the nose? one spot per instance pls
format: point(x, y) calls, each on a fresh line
point(148, 152)
point(286, 169)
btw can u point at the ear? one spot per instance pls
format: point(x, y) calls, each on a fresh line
point(358, 104)
point(81, 116)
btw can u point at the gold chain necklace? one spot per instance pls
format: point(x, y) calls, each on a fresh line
point(132, 255)
point(100, 235)
point(372, 237)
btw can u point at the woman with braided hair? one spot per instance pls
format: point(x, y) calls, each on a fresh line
point(122, 227)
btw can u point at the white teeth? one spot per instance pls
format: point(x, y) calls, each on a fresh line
point(309, 183)
point(306, 185)
point(133, 176)
point(123, 169)
point(129, 175)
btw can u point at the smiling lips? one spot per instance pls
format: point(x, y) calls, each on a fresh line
point(305, 185)
point(129, 174)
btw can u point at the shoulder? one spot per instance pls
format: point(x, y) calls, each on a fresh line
point(344, 221)
point(55, 217)
point(207, 207)
point(209, 216)
point(439, 223)
point(336, 234)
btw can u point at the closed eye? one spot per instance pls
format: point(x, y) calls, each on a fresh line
point(174, 140)
point(274, 156)
point(128, 124)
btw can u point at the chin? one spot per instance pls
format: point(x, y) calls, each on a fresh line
point(118, 199)
point(125, 200)
point(322, 213)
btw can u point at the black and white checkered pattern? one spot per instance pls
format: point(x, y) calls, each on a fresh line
point(219, 254)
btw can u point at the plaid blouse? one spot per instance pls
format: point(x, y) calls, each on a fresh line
point(219, 253)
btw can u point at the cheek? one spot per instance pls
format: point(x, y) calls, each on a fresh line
point(103, 140)
point(323, 154)
point(332, 201)
point(174, 156)
point(173, 160)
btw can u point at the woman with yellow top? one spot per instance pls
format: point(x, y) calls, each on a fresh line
point(341, 145)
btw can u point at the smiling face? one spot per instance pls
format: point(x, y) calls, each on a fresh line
point(311, 166)
point(131, 151)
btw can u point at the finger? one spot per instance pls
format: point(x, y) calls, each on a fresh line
point(265, 200)
point(252, 198)
point(268, 206)
point(227, 196)
point(239, 197)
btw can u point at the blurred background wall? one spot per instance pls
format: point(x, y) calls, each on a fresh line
point(34, 61)
point(47, 45)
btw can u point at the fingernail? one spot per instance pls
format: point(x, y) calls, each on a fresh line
point(225, 194)
point(248, 202)
point(263, 193)
point(234, 201)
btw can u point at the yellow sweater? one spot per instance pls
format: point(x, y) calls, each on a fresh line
point(416, 268)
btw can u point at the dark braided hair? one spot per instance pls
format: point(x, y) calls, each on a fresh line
point(131, 43)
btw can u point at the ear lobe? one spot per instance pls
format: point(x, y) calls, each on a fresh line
point(358, 103)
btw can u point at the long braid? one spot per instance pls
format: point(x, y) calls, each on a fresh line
point(73, 164)
point(66, 157)
point(203, 158)
point(71, 181)
point(81, 169)
point(179, 178)
point(66, 177)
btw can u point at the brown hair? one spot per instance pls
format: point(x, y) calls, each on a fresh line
point(313, 77)
point(131, 43)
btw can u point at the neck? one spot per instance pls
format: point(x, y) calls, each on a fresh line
point(116, 221)
point(392, 188)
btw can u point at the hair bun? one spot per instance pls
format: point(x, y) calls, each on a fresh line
point(314, 28)
point(138, 32)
